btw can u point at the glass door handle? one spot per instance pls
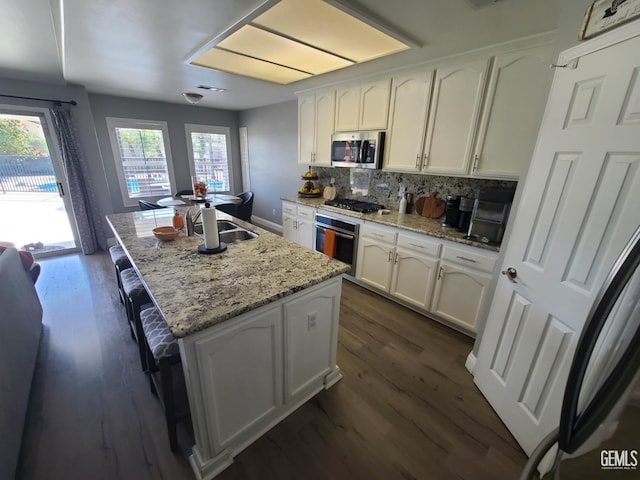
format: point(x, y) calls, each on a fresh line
point(60, 189)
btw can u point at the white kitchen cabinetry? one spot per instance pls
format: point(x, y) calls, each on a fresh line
point(316, 113)
point(415, 264)
point(310, 324)
point(376, 247)
point(405, 267)
point(410, 96)
point(254, 370)
point(449, 280)
point(455, 110)
point(298, 224)
point(515, 98)
point(462, 286)
point(363, 106)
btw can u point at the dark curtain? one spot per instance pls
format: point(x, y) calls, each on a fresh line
point(89, 219)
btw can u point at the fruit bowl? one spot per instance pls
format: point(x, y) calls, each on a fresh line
point(165, 233)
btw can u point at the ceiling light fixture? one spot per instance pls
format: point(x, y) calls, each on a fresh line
point(283, 41)
point(192, 98)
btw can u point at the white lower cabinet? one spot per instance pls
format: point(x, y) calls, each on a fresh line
point(460, 294)
point(246, 374)
point(413, 276)
point(374, 263)
point(450, 281)
point(298, 224)
point(402, 265)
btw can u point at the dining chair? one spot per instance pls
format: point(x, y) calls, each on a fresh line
point(242, 210)
point(144, 205)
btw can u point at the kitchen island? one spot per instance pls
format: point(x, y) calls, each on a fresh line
point(257, 327)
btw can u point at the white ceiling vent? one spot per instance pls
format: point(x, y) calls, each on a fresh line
point(481, 3)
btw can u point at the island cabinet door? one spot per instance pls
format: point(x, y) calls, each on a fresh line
point(310, 338)
point(241, 375)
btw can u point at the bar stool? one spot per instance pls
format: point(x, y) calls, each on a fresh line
point(120, 262)
point(135, 297)
point(162, 352)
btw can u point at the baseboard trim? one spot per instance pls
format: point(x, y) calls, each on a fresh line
point(264, 223)
point(470, 364)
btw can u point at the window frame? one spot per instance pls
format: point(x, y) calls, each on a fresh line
point(190, 128)
point(112, 124)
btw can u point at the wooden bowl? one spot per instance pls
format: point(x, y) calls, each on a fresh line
point(165, 233)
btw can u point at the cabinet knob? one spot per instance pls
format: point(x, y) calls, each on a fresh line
point(418, 160)
point(511, 273)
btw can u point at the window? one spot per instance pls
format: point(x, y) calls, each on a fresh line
point(210, 156)
point(143, 158)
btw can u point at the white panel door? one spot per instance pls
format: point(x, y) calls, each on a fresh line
point(579, 207)
point(409, 109)
point(455, 109)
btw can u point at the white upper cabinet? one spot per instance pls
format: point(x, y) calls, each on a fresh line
point(325, 111)
point(410, 96)
point(455, 110)
point(306, 128)
point(374, 104)
point(315, 126)
point(347, 108)
point(513, 108)
point(364, 106)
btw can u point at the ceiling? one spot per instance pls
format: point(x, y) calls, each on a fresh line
point(139, 48)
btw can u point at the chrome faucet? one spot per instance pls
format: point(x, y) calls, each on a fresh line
point(192, 220)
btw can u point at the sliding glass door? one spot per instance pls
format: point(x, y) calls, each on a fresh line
point(36, 212)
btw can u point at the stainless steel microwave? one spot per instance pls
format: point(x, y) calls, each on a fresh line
point(357, 149)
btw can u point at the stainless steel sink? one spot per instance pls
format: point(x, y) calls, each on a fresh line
point(226, 225)
point(230, 236)
point(229, 232)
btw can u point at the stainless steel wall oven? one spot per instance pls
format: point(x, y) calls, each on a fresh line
point(346, 239)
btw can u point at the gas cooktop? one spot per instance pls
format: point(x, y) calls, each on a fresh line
point(354, 205)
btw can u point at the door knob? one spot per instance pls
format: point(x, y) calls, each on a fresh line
point(511, 274)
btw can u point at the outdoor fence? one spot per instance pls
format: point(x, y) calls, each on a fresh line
point(26, 174)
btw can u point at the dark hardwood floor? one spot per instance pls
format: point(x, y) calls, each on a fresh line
point(405, 409)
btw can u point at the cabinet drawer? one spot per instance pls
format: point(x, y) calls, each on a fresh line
point(289, 208)
point(419, 244)
point(306, 212)
point(485, 261)
point(379, 233)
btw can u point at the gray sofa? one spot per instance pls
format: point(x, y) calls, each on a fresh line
point(20, 328)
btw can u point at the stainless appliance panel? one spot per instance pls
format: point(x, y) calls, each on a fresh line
point(357, 149)
point(346, 239)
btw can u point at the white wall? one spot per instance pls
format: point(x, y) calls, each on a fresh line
point(273, 156)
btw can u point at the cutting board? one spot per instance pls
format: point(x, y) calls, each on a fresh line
point(431, 206)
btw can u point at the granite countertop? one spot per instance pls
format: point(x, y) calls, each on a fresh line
point(411, 221)
point(195, 291)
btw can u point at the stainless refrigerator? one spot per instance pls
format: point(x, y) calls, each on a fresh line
point(605, 365)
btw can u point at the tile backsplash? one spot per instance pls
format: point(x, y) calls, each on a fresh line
point(382, 187)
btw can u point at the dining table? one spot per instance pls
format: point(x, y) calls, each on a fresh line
point(190, 200)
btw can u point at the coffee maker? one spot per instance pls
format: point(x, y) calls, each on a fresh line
point(464, 214)
point(490, 214)
point(452, 212)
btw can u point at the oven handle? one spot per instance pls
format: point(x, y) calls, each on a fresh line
point(338, 234)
